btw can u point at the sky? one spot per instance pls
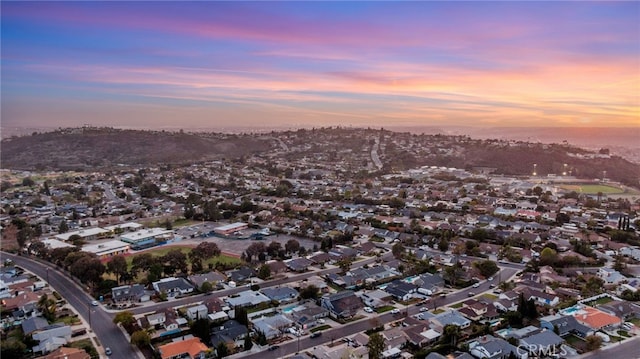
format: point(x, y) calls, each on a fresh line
point(213, 64)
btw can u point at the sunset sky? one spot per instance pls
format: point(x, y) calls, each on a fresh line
point(224, 64)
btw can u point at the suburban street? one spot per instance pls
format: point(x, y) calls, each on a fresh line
point(630, 349)
point(109, 335)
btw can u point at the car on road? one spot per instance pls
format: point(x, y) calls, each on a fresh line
point(476, 285)
point(471, 294)
point(274, 347)
point(315, 335)
point(107, 351)
point(395, 311)
point(368, 309)
point(423, 309)
point(490, 279)
point(94, 303)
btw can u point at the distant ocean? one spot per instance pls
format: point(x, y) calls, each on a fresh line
point(589, 137)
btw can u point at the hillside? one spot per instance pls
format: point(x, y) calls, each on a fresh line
point(96, 148)
point(100, 148)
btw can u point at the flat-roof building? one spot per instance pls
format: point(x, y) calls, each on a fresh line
point(107, 249)
point(146, 238)
point(228, 229)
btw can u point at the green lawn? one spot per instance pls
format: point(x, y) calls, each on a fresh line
point(600, 301)
point(457, 305)
point(635, 321)
point(322, 327)
point(384, 309)
point(490, 296)
point(593, 188)
point(159, 252)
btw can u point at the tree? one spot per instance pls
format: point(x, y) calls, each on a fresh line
point(241, 315)
point(248, 344)
point(89, 270)
point(375, 345)
point(142, 262)
point(140, 338)
point(125, 318)
point(222, 350)
point(344, 264)
point(450, 335)
point(292, 246)
point(175, 260)
point(453, 273)
point(443, 245)
point(398, 250)
point(593, 342)
point(28, 182)
point(118, 266)
point(548, 256)
point(63, 227)
point(47, 307)
point(207, 250)
point(487, 267)
point(206, 287)
point(264, 272)
point(310, 292)
point(201, 329)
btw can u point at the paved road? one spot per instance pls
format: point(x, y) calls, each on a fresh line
point(100, 321)
point(364, 324)
point(627, 350)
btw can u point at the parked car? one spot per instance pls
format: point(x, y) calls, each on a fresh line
point(476, 285)
point(368, 309)
point(107, 351)
point(274, 347)
point(423, 309)
point(471, 294)
point(315, 334)
point(320, 321)
point(94, 303)
point(395, 311)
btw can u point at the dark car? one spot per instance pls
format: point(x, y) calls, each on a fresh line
point(274, 347)
point(315, 335)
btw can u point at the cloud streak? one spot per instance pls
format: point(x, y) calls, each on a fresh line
point(511, 64)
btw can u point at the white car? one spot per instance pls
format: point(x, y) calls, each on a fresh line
point(368, 309)
point(94, 303)
point(476, 285)
point(320, 321)
point(395, 311)
point(423, 309)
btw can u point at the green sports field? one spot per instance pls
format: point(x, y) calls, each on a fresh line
point(593, 188)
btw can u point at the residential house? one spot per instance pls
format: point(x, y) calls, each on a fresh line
point(401, 290)
point(67, 353)
point(276, 267)
point(450, 317)
point(212, 277)
point(343, 304)
point(429, 282)
point(33, 324)
point(273, 326)
point(596, 319)
point(298, 264)
point(51, 338)
point(247, 298)
point(375, 298)
point(542, 343)
point(173, 287)
point(307, 314)
point(565, 325)
point(610, 275)
point(621, 309)
point(281, 294)
point(126, 295)
point(241, 275)
point(490, 347)
point(230, 332)
point(197, 312)
point(188, 348)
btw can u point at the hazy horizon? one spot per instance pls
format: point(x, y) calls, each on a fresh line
point(300, 64)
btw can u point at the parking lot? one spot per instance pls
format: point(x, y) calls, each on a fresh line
point(198, 233)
